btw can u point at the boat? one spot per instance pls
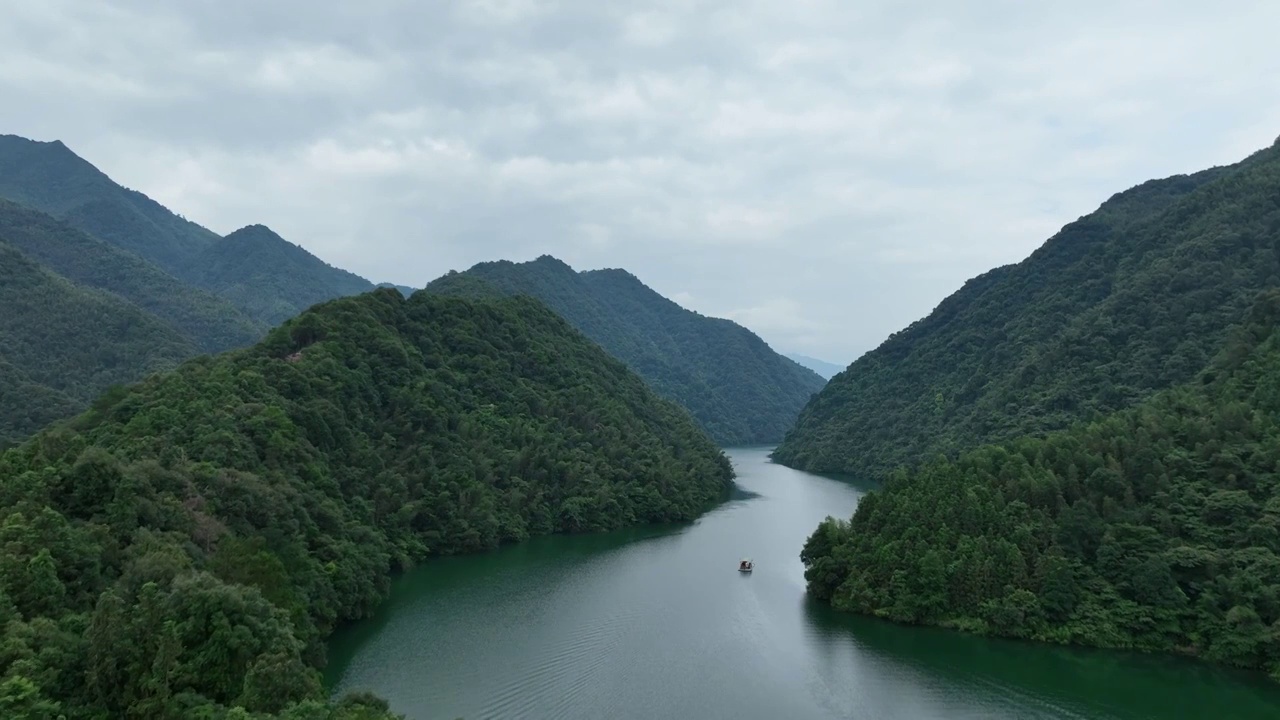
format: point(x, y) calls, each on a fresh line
point(745, 565)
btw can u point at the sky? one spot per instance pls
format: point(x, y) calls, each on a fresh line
point(821, 171)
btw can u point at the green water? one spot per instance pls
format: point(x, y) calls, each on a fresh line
point(658, 623)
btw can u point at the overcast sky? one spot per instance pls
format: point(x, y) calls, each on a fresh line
point(824, 172)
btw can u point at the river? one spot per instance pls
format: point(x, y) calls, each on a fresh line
point(658, 623)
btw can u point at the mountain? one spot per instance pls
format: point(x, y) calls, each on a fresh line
point(62, 344)
point(736, 387)
point(823, 368)
point(210, 322)
point(190, 541)
point(271, 278)
point(1126, 301)
point(51, 178)
point(1156, 528)
point(265, 277)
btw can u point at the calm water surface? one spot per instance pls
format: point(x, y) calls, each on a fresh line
point(658, 623)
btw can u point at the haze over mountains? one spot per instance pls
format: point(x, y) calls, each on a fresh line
point(220, 451)
point(266, 278)
point(282, 482)
point(190, 291)
point(823, 368)
point(735, 385)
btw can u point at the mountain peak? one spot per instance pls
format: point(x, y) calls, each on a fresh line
point(51, 178)
point(29, 142)
point(255, 232)
point(737, 388)
point(552, 262)
point(272, 277)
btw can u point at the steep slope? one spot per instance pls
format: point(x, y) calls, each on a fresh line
point(210, 322)
point(26, 405)
point(738, 389)
point(1157, 528)
point(823, 368)
point(1121, 303)
point(264, 276)
point(51, 178)
point(62, 344)
point(191, 540)
point(270, 278)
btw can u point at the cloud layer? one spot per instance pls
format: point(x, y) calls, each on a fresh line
point(821, 171)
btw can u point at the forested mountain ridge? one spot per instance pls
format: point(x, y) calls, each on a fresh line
point(51, 178)
point(734, 384)
point(210, 322)
point(184, 547)
point(264, 276)
point(1128, 300)
point(1156, 528)
point(270, 277)
point(63, 344)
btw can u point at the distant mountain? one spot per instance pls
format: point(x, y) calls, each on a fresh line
point(264, 276)
point(208, 321)
point(62, 344)
point(1131, 299)
point(271, 278)
point(740, 390)
point(49, 177)
point(825, 369)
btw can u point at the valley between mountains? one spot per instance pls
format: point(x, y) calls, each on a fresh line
point(219, 450)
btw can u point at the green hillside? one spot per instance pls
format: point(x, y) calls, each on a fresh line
point(208, 321)
point(186, 545)
point(51, 178)
point(262, 275)
point(734, 384)
point(26, 405)
point(1128, 300)
point(1157, 528)
point(62, 344)
point(270, 278)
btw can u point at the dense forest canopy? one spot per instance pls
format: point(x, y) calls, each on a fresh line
point(63, 344)
point(734, 384)
point(78, 315)
point(1156, 528)
point(182, 549)
point(126, 287)
point(1134, 298)
point(266, 278)
point(51, 178)
point(208, 321)
point(270, 277)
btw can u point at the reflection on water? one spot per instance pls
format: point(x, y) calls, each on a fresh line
point(658, 623)
point(1066, 681)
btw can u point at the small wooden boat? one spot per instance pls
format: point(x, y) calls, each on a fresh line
point(746, 565)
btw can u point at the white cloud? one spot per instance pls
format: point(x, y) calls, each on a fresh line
point(823, 171)
point(325, 69)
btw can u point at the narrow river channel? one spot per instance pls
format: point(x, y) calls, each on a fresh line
point(658, 623)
